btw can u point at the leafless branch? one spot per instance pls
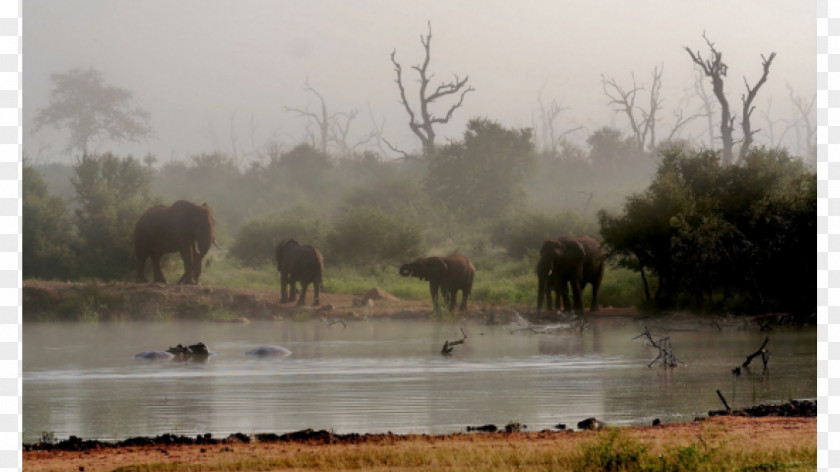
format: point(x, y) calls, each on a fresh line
point(448, 345)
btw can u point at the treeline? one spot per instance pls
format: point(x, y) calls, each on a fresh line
point(490, 195)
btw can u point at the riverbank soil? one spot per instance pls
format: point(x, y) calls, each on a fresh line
point(84, 301)
point(721, 442)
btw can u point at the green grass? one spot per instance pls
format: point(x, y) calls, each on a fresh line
point(498, 281)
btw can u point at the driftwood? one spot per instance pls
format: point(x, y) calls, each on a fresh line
point(725, 405)
point(666, 350)
point(447, 346)
point(764, 353)
point(330, 323)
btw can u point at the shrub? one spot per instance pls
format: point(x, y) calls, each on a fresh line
point(366, 236)
point(523, 231)
point(255, 241)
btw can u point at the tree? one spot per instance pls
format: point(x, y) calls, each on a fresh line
point(91, 110)
point(111, 193)
point(716, 69)
point(423, 126)
point(48, 237)
point(483, 175)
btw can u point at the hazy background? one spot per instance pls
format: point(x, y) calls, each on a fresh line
point(212, 72)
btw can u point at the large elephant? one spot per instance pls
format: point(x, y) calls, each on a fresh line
point(302, 264)
point(184, 227)
point(569, 261)
point(450, 274)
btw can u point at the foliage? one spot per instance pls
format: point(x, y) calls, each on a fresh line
point(255, 241)
point(90, 109)
point(367, 236)
point(613, 452)
point(520, 232)
point(701, 228)
point(48, 250)
point(111, 192)
point(482, 176)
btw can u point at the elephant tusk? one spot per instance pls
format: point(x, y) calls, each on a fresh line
point(215, 244)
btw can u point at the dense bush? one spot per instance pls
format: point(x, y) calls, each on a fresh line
point(255, 241)
point(520, 232)
point(111, 192)
point(367, 236)
point(710, 231)
point(48, 250)
point(482, 176)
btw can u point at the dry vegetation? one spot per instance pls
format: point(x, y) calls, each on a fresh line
point(719, 443)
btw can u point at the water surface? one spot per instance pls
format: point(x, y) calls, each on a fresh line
point(388, 375)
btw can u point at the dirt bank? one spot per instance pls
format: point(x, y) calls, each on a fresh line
point(759, 436)
point(74, 301)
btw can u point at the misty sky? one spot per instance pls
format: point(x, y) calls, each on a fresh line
point(199, 65)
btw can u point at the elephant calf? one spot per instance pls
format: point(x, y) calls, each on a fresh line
point(302, 264)
point(450, 274)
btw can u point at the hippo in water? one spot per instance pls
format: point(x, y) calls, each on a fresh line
point(154, 356)
point(195, 352)
point(269, 351)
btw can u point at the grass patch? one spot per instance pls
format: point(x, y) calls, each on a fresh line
point(222, 313)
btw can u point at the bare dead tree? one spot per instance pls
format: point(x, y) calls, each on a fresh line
point(423, 126)
point(714, 68)
point(663, 345)
point(340, 129)
point(642, 119)
point(378, 130)
point(707, 105)
point(322, 119)
point(748, 107)
point(771, 123)
point(805, 110)
point(550, 138)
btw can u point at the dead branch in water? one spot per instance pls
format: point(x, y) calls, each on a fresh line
point(764, 353)
point(725, 405)
point(447, 346)
point(663, 345)
point(330, 323)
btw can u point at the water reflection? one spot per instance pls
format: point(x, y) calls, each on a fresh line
point(375, 376)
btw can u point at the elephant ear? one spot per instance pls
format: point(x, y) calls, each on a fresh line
point(573, 252)
point(436, 268)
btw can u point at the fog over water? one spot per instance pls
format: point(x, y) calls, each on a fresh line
point(217, 75)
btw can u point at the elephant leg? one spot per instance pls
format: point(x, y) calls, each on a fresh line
point(316, 287)
point(563, 292)
point(464, 296)
point(303, 287)
point(433, 289)
point(187, 258)
point(453, 295)
point(543, 291)
point(576, 294)
point(141, 269)
point(594, 305)
point(156, 266)
point(292, 289)
point(197, 267)
point(284, 285)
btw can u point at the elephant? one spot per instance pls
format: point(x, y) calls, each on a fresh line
point(302, 264)
point(450, 274)
point(183, 227)
point(569, 261)
point(269, 351)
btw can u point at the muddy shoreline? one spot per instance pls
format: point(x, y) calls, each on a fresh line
point(792, 409)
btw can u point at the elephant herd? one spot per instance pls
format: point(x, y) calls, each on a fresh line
point(187, 228)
